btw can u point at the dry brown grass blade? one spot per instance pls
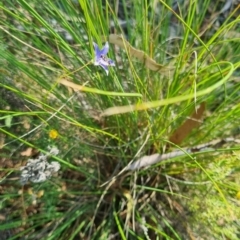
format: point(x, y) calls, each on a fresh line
point(149, 160)
point(142, 56)
point(72, 85)
point(181, 133)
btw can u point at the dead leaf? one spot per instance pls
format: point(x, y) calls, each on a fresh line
point(184, 130)
point(2, 140)
point(27, 153)
point(142, 56)
point(40, 193)
point(26, 123)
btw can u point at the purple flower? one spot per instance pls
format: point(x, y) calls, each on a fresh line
point(100, 57)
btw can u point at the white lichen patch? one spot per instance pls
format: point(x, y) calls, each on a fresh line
point(39, 169)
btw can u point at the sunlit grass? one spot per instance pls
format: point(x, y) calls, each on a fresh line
point(169, 60)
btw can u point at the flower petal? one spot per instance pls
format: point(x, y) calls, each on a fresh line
point(104, 67)
point(102, 52)
point(105, 49)
point(97, 53)
point(100, 57)
point(111, 62)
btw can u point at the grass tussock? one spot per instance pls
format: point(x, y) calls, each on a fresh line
point(149, 150)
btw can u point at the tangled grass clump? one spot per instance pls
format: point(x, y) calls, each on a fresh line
point(149, 149)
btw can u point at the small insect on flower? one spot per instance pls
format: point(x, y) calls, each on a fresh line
point(100, 57)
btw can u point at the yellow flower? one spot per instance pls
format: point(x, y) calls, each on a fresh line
point(53, 134)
